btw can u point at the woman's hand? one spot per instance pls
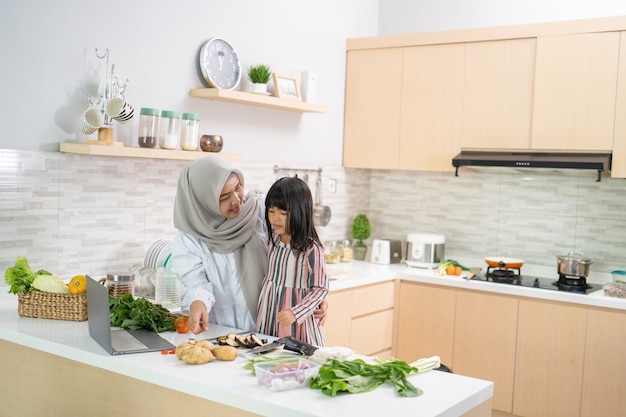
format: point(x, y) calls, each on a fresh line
point(198, 317)
point(285, 317)
point(321, 312)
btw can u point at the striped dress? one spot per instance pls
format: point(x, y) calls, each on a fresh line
point(298, 282)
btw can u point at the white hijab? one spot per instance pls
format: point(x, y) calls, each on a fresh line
point(197, 212)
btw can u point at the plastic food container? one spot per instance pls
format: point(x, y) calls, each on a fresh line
point(286, 374)
point(615, 290)
point(148, 127)
point(189, 135)
point(619, 277)
point(169, 133)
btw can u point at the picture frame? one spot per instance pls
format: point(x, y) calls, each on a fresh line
point(286, 86)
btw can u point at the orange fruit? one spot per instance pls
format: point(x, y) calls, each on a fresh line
point(458, 270)
point(78, 284)
point(182, 324)
point(450, 270)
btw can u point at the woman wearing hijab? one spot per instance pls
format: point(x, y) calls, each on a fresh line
point(220, 251)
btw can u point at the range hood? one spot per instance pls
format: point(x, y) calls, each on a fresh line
point(593, 161)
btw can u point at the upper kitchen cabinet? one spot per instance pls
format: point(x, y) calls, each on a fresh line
point(372, 108)
point(403, 107)
point(431, 107)
point(575, 81)
point(498, 97)
point(618, 169)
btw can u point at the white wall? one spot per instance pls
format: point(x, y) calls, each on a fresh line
point(407, 16)
point(49, 67)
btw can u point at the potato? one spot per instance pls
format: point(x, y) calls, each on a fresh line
point(197, 355)
point(205, 344)
point(225, 353)
point(181, 348)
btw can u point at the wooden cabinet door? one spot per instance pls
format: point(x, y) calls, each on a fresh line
point(372, 109)
point(484, 342)
point(339, 320)
point(498, 98)
point(618, 169)
point(605, 364)
point(372, 334)
point(425, 322)
point(574, 104)
point(431, 110)
point(549, 359)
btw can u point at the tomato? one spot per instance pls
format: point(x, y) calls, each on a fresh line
point(182, 324)
point(78, 284)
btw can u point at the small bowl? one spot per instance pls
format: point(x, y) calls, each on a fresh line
point(286, 374)
point(211, 143)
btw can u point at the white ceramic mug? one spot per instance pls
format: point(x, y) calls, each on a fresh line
point(119, 109)
point(90, 121)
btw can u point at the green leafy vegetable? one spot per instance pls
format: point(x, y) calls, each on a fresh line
point(20, 277)
point(354, 376)
point(130, 313)
point(50, 283)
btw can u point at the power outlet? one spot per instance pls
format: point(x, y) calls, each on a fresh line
point(332, 185)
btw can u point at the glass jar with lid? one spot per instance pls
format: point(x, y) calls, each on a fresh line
point(331, 252)
point(148, 127)
point(120, 284)
point(190, 129)
point(168, 137)
point(345, 250)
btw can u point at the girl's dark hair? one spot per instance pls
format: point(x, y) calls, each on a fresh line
point(294, 196)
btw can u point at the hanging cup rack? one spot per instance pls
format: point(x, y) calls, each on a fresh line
point(109, 88)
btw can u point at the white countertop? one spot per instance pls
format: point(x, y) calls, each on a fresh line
point(357, 273)
point(445, 395)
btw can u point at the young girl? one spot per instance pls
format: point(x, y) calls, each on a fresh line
point(296, 281)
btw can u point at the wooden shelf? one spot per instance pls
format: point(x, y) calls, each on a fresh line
point(260, 100)
point(136, 152)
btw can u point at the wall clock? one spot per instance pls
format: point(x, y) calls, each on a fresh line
point(220, 64)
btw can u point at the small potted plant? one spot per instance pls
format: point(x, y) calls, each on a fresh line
point(361, 230)
point(259, 76)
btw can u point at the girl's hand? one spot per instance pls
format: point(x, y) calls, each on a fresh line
point(198, 317)
point(285, 317)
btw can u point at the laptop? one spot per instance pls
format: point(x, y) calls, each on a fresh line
point(117, 341)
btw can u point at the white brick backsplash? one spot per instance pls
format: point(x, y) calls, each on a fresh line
point(74, 214)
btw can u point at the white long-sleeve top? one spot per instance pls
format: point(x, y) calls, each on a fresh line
point(212, 278)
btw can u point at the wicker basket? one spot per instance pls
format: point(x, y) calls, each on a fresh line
point(47, 305)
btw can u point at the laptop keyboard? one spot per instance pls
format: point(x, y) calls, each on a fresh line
point(123, 341)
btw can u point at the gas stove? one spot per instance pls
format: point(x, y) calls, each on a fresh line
point(512, 276)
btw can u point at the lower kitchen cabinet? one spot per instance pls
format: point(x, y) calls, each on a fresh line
point(484, 342)
point(549, 359)
point(425, 325)
point(605, 364)
point(362, 319)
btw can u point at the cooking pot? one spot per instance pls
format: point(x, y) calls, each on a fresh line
point(501, 262)
point(573, 264)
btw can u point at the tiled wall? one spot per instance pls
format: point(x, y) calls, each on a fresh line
point(74, 214)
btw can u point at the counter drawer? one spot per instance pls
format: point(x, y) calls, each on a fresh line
point(373, 298)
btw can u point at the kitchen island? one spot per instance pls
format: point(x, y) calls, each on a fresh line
point(54, 368)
